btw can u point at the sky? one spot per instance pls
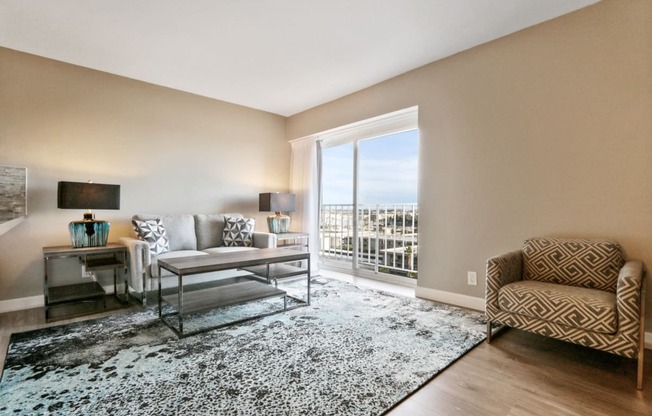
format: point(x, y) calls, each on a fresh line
point(388, 171)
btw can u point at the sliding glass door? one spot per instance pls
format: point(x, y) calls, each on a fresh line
point(368, 211)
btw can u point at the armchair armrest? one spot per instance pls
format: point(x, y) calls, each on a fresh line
point(629, 298)
point(264, 240)
point(501, 270)
point(139, 261)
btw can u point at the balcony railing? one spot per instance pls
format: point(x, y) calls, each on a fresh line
point(386, 235)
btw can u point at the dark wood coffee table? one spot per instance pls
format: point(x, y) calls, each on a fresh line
point(268, 265)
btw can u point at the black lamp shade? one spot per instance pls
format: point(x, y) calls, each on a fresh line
point(276, 202)
point(88, 196)
point(82, 195)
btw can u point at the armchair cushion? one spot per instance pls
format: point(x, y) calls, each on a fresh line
point(590, 309)
point(592, 264)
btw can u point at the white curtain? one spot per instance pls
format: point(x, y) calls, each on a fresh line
point(304, 183)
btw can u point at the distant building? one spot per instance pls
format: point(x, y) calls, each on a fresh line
point(387, 236)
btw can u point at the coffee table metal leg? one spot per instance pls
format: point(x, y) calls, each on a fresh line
point(125, 276)
point(308, 273)
point(45, 290)
point(160, 297)
point(180, 311)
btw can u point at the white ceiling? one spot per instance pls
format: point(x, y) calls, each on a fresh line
point(281, 56)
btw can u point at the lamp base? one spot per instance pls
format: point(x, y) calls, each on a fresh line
point(278, 224)
point(89, 233)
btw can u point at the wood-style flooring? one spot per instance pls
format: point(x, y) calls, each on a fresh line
point(518, 374)
point(523, 374)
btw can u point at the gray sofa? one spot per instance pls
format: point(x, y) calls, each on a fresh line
point(187, 235)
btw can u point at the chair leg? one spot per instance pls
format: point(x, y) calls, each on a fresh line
point(639, 375)
point(641, 342)
point(488, 332)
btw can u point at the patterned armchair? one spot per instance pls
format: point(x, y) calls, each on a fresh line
point(580, 291)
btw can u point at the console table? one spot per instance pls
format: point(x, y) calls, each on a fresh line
point(231, 291)
point(109, 257)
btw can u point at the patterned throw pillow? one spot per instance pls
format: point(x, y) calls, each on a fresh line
point(153, 232)
point(238, 232)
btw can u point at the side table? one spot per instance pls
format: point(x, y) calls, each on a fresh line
point(291, 240)
point(294, 240)
point(113, 256)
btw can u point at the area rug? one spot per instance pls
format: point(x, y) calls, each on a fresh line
point(353, 351)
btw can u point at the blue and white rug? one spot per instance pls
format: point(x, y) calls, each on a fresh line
point(351, 352)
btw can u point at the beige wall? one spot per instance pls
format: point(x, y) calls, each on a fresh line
point(170, 151)
point(546, 132)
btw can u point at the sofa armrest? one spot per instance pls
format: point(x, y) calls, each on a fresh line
point(501, 270)
point(139, 261)
point(264, 240)
point(629, 297)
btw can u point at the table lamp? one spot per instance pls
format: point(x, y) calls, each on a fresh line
point(277, 202)
point(81, 195)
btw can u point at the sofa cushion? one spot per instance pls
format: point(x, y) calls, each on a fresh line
point(171, 255)
point(590, 309)
point(238, 232)
point(222, 250)
point(592, 264)
point(210, 229)
point(180, 229)
point(153, 232)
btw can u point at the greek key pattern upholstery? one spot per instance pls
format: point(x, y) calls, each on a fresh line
point(624, 341)
point(501, 270)
point(578, 307)
point(575, 262)
point(619, 344)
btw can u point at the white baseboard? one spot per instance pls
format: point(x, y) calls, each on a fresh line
point(476, 303)
point(21, 303)
point(450, 298)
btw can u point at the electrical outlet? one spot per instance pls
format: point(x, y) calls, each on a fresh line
point(472, 278)
point(88, 275)
point(85, 274)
